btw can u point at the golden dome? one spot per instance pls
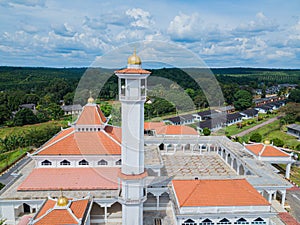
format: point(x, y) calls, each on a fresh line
point(62, 201)
point(134, 59)
point(91, 100)
point(267, 142)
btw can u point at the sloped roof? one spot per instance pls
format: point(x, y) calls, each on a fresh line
point(81, 143)
point(132, 71)
point(266, 150)
point(197, 193)
point(175, 130)
point(49, 214)
point(91, 115)
point(250, 112)
point(152, 125)
point(98, 178)
point(114, 132)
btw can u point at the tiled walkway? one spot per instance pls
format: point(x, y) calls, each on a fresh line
point(182, 165)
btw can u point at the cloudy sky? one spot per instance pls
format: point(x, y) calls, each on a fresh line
point(223, 33)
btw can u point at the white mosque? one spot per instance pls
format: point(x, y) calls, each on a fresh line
point(144, 173)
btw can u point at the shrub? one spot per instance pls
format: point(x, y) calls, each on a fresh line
point(256, 137)
point(206, 131)
point(277, 142)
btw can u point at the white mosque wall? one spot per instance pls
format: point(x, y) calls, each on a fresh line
point(93, 161)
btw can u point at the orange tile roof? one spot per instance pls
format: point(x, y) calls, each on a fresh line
point(82, 143)
point(153, 125)
point(78, 207)
point(57, 217)
point(91, 115)
point(49, 204)
point(59, 135)
point(217, 193)
point(114, 132)
point(133, 71)
point(71, 179)
point(175, 130)
point(266, 150)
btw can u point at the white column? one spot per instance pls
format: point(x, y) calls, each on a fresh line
point(183, 147)
point(287, 171)
point(208, 147)
point(105, 213)
point(166, 147)
point(274, 196)
point(269, 197)
point(201, 149)
point(192, 146)
point(283, 194)
point(157, 202)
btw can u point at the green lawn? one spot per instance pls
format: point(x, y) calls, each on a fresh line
point(19, 130)
point(9, 158)
point(273, 130)
point(233, 129)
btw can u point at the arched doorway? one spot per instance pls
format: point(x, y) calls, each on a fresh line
point(241, 170)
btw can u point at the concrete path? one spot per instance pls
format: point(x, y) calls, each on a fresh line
point(256, 127)
point(7, 176)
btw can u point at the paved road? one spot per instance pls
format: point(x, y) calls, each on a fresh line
point(256, 127)
point(6, 177)
point(293, 199)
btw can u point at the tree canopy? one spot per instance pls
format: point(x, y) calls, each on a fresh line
point(243, 100)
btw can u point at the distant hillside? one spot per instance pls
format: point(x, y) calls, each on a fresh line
point(31, 79)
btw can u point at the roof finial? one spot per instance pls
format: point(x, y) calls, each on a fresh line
point(91, 99)
point(62, 200)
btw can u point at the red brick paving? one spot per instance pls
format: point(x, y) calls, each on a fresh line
point(288, 219)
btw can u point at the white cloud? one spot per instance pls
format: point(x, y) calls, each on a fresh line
point(142, 19)
point(279, 54)
point(185, 27)
point(64, 30)
point(30, 3)
point(259, 25)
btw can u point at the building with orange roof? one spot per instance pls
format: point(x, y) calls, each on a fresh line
point(230, 201)
point(269, 153)
point(63, 211)
point(132, 171)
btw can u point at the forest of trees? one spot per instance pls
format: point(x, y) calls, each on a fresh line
point(170, 89)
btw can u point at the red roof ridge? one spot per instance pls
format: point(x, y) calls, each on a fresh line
point(54, 142)
point(72, 213)
point(98, 108)
point(114, 140)
point(262, 150)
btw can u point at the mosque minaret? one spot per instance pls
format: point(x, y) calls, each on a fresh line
point(132, 94)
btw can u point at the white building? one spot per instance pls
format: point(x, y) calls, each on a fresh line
point(125, 177)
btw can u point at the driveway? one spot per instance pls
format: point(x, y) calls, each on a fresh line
point(243, 133)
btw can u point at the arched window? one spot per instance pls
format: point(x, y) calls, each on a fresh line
point(206, 222)
point(46, 163)
point(189, 222)
point(102, 162)
point(65, 163)
point(83, 162)
point(119, 162)
point(224, 221)
point(258, 221)
point(241, 221)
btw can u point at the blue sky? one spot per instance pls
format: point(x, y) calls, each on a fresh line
point(222, 33)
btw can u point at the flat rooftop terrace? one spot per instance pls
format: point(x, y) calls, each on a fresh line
point(188, 166)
